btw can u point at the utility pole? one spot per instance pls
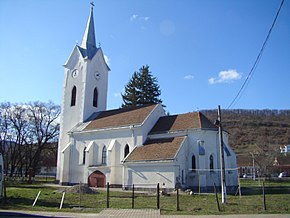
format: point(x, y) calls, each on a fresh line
point(222, 160)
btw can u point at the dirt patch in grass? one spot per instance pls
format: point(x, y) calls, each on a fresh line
point(80, 189)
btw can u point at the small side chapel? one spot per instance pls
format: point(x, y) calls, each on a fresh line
point(137, 145)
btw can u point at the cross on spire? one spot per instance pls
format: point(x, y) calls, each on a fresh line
point(92, 4)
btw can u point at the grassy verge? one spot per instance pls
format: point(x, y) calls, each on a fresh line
point(21, 197)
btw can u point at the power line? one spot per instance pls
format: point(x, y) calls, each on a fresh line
point(251, 73)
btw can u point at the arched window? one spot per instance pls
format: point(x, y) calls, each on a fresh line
point(211, 162)
point(193, 164)
point(73, 96)
point(126, 150)
point(95, 98)
point(104, 155)
point(84, 156)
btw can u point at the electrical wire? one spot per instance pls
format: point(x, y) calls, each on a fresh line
point(251, 73)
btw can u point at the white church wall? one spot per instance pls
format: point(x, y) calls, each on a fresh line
point(65, 156)
point(114, 157)
point(181, 160)
point(148, 175)
point(76, 171)
point(203, 176)
point(231, 172)
point(231, 169)
point(192, 149)
point(150, 122)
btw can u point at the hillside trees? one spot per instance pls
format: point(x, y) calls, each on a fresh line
point(256, 134)
point(141, 89)
point(244, 126)
point(26, 130)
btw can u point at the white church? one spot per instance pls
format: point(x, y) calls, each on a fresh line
point(139, 145)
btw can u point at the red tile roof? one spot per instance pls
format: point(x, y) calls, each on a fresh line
point(182, 122)
point(156, 149)
point(120, 117)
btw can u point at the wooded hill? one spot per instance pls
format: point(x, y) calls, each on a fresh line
point(254, 127)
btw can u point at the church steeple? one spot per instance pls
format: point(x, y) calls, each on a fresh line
point(89, 40)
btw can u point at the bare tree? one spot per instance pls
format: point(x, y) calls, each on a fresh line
point(44, 128)
point(264, 156)
point(14, 127)
point(26, 131)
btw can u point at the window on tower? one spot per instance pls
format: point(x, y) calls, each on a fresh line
point(126, 150)
point(73, 96)
point(95, 98)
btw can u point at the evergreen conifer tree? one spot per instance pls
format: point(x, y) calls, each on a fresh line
point(142, 89)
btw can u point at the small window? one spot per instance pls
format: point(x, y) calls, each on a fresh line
point(126, 150)
point(104, 155)
point(193, 163)
point(73, 96)
point(84, 155)
point(211, 166)
point(201, 149)
point(182, 176)
point(95, 98)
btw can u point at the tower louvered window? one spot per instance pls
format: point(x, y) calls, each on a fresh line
point(73, 96)
point(126, 150)
point(95, 98)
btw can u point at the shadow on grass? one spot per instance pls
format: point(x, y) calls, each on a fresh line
point(27, 186)
point(17, 214)
point(21, 202)
point(268, 190)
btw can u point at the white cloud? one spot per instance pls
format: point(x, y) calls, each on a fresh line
point(144, 18)
point(134, 17)
point(211, 80)
point(137, 17)
point(225, 76)
point(107, 60)
point(188, 77)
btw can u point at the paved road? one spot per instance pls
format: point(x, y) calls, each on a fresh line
point(127, 213)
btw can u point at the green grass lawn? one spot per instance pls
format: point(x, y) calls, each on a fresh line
point(21, 197)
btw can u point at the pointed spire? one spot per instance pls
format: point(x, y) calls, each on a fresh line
point(89, 40)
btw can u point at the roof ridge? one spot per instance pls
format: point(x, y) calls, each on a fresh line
point(120, 117)
point(199, 119)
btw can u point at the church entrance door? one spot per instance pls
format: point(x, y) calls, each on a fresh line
point(97, 179)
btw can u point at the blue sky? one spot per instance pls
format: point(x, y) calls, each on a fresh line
point(200, 51)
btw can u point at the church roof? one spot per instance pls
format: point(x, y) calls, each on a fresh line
point(182, 122)
point(89, 47)
point(86, 53)
point(156, 150)
point(120, 117)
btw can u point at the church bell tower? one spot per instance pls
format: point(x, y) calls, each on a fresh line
point(85, 86)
